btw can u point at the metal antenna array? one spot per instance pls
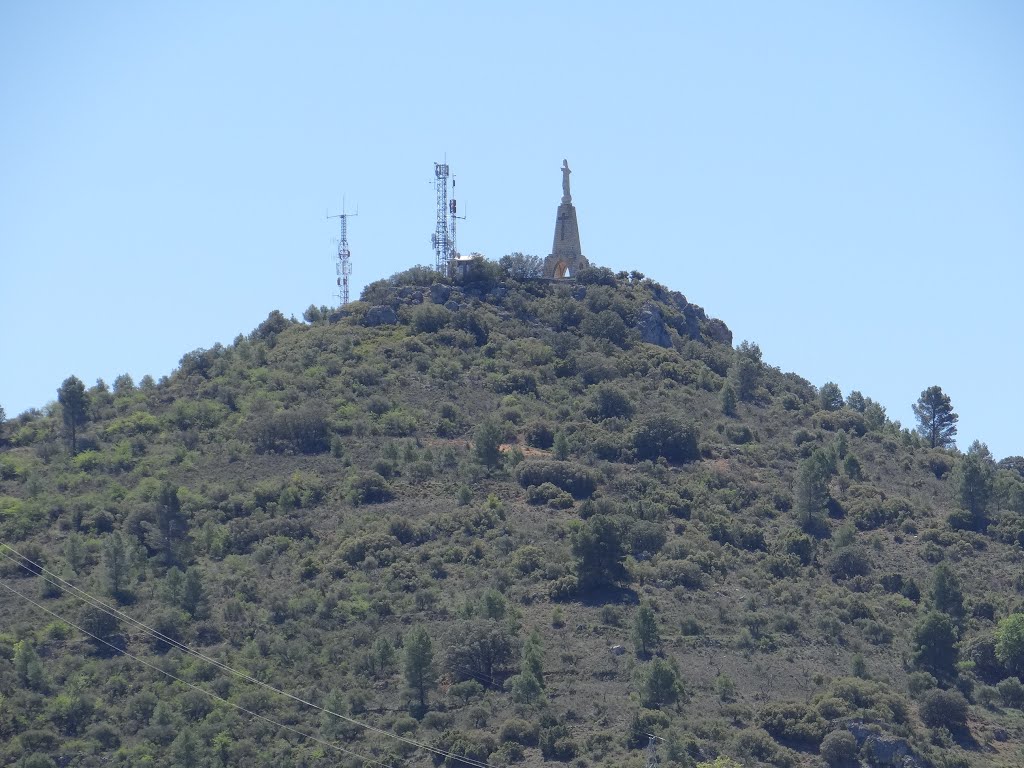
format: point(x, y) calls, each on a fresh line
point(443, 239)
point(452, 210)
point(651, 753)
point(440, 239)
point(344, 264)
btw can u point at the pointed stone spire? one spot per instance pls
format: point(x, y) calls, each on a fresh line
point(566, 256)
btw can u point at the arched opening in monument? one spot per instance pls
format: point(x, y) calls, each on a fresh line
point(562, 270)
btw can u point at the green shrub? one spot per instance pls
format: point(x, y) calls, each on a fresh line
point(519, 731)
point(571, 478)
point(608, 401)
point(793, 722)
point(848, 563)
point(944, 709)
point(539, 434)
point(659, 684)
point(429, 318)
point(300, 430)
point(665, 437)
point(368, 488)
point(1012, 692)
point(839, 749)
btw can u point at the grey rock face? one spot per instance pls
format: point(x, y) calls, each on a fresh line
point(881, 751)
point(380, 315)
point(719, 331)
point(652, 328)
point(894, 752)
point(439, 294)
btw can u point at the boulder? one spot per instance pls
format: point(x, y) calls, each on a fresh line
point(882, 751)
point(380, 315)
point(451, 305)
point(718, 331)
point(895, 752)
point(439, 294)
point(652, 328)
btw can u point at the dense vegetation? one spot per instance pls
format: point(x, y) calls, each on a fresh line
point(512, 520)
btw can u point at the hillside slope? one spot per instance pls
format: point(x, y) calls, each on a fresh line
point(514, 520)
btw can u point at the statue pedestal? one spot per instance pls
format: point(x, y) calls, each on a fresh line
point(566, 256)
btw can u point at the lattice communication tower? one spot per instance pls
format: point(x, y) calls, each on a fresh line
point(443, 239)
point(651, 753)
point(344, 264)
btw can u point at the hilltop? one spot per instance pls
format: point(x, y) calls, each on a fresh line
point(518, 520)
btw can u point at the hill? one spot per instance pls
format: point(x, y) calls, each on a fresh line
point(513, 520)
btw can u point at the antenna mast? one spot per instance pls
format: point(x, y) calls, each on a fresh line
point(651, 753)
point(344, 263)
point(440, 239)
point(443, 239)
point(452, 210)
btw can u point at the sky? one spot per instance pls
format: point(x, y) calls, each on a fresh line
point(842, 183)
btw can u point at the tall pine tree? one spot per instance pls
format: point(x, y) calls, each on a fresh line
point(936, 421)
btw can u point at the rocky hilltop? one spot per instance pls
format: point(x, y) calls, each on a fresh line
point(501, 521)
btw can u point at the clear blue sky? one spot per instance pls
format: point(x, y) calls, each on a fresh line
point(842, 183)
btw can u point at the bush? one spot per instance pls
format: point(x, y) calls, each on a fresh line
point(793, 722)
point(944, 709)
point(839, 748)
point(659, 685)
point(1011, 691)
point(848, 563)
point(596, 276)
point(550, 494)
point(571, 478)
point(368, 488)
point(1010, 642)
point(429, 318)
point(599, 550)
point(516, 382)
point(301, 430)
point(608, 402)
point(665, 437)
point(539, 434)
point(519, 732)
point(605, 325)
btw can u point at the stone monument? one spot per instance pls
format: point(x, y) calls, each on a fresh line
point(566, 256)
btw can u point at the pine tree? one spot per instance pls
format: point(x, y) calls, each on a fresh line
point(533, 657)
point(193, 596)
point(74, 407)
point(947, 594)
point(27, 666)
point(419, 665)
point(487, 444)
point(116, 567)
point(728, 400)
point(645, 630)
point(830, 397)
point(976, 484)
point(935, 418)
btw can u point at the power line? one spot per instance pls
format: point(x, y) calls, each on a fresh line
point(94, 602)
point(37, 569)
point(211, 694)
